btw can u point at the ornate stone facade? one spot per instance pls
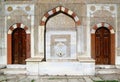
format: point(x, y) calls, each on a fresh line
point(61, 33)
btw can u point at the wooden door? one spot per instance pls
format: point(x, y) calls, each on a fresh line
point(18, 46)
point(102, 46)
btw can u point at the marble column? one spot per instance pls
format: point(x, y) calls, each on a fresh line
point(80, 40)
point(41, 41)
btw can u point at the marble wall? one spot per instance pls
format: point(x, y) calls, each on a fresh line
point(30, 13)
point(2, 35)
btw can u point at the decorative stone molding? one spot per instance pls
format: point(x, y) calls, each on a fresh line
point(18, 25)
point(102, 13)
point(60, 9)
point(27, 8)
point(92, 8)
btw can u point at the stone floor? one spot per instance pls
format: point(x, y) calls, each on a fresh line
point(25, 78)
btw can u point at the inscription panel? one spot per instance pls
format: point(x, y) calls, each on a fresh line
point(60, 45)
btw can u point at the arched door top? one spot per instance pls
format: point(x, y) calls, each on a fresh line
point(102, 24)
point(9, 41)
point(18, 25)
point(57, 10)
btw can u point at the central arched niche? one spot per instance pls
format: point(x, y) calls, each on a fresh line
point(60, 38)
point(60, 21)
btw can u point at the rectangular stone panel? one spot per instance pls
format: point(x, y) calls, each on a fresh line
point(60, 45)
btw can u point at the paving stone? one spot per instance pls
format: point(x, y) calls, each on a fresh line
point(11, 77)
point(41, 80)
point(25, 78)
point(88, 79)
point(34, 78)
point(55, 80)
point(20, 77)
point(96, 78)
point(12, 80)
point(1, 71)
point(81, 80)
point(73, 80)
point(2, 78)
point(109, 76)
point(37, 80)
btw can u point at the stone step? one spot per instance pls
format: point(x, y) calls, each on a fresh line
point(2, 66)
point(14, 71)
point(105, 66)
point(1, 71)
point(16, 66)
point(118, 66)
point(107, 71)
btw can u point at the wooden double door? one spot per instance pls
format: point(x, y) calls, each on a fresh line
point(102, 46)
point(18, 46)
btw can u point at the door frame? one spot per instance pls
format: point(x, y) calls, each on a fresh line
point(18, 46)
point(112, 41)
point(9, 41)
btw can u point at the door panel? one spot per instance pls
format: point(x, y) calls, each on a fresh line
point(98, 51)
point(18, 46)
point(102, 46)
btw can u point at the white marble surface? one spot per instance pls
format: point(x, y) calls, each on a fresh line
point(3, 59)
point(117, 60)
point(72, 44)
point(60, 68)
point(32, 68)
point(66, 68)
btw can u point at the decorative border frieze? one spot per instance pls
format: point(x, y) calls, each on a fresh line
point(28, 8)
point(92, 8)
point(59, 9)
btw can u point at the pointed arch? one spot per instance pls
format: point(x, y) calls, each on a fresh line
point(9, 41)
point(57, 10)
point(112, 40)
point(102, 24)
point(18, 25)
point(54, 11)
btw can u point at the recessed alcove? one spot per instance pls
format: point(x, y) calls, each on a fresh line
point(60, 38)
